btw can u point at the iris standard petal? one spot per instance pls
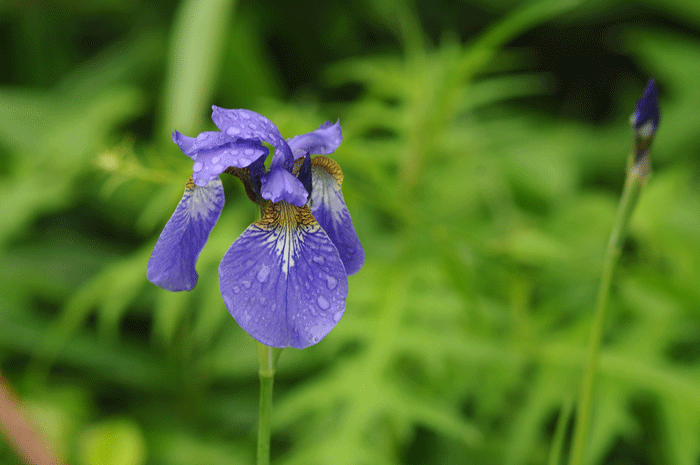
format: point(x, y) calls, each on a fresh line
point(282, 279)
point(172, 262)
point(246, 124)
point(210, 163)
point(281, 185)
point(322, 141)
point(329, 209)
point(185, 143)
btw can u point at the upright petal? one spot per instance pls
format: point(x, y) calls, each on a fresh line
point(282, 279)
point(281, 185)
point(171, 265)
point(329, 209)
point(322, 141)
point(213, 152)
point(247, 124)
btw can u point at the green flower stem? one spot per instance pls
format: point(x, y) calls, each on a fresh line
point(267, 357)
point(636, 177)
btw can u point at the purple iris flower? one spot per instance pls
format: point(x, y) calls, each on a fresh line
point(284, 279)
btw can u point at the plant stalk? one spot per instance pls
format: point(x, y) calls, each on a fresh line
point(636, 176)
point(267, 358)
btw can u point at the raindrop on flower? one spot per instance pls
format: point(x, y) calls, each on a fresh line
point(323, 302)
point(263, 273)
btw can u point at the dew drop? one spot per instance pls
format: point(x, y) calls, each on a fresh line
point(246, 284)
point(244, 115)
point(202, 137)
point(233, 131)
point(337, 316)
point(318, 260)
point(215, 160)
point(249, 152)
point(236, 289)
point(217, 169)
point(253, 126)
point(197, 167)
point(323, 302)
point(263, 273)
point(331, 282)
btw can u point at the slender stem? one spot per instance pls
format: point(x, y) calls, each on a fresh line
point(633, 184)
point(267, 357)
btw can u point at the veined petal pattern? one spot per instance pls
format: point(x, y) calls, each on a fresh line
point(172, 263)
point(283, 280)
point(329, 209)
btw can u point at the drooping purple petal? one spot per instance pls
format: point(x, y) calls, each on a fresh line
point(246, 124)
point(172, 263)
point(322, 141)
point(282, 279)
point(329, 209)
point(281, 185)
point(213, 152)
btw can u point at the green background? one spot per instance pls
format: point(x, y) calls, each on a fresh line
point(484, 152)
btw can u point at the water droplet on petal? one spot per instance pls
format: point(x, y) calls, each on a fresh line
point(263, 273)
point(245, 115)
point(318, 260)
point(331, 282)
point(249, 152)
point(323, 302)
point(233, 131)
point(236, 289)
point(197, 167)
point(217, 169)
point(337, 316)
point(246, 284)
point(215, 160)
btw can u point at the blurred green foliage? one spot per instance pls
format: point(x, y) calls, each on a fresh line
point(484, 152)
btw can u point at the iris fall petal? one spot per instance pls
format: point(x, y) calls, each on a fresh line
point(172, 263)
point(329, 209)
point(282, 279)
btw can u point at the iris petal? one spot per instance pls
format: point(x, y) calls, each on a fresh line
point(329, 209)
point(281, 185)
point(172, 263)
point(213, 152)
point(246, 124)
point(282, 279)
point(322, 141)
